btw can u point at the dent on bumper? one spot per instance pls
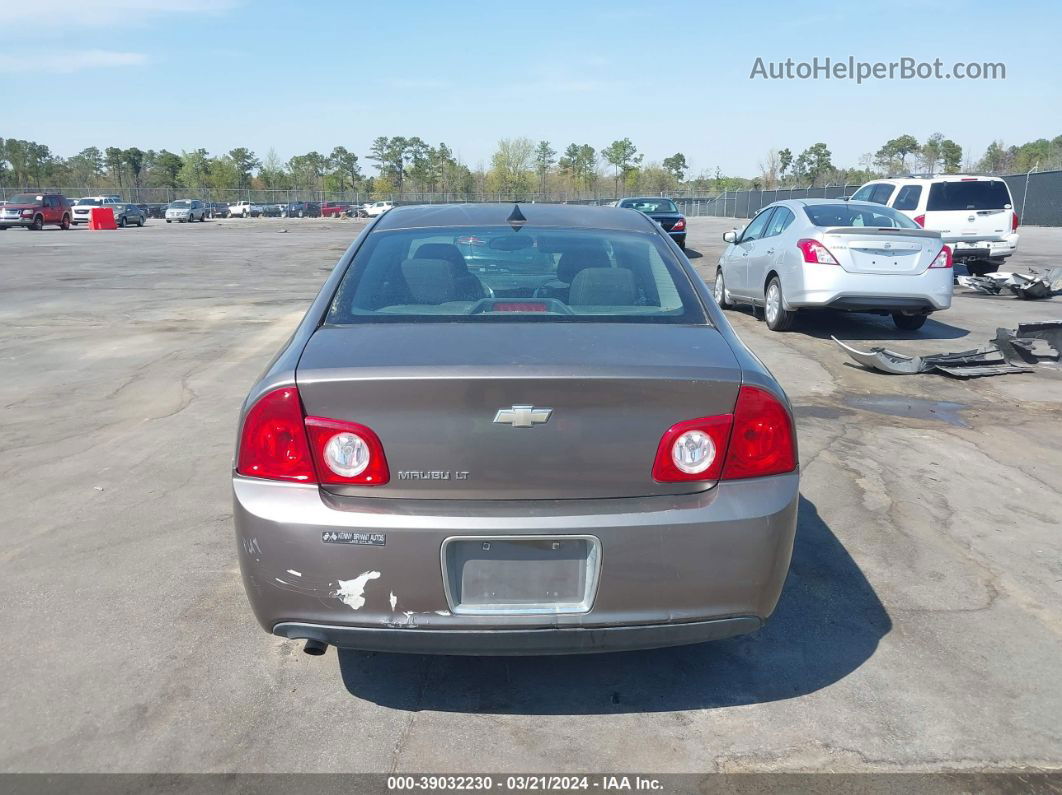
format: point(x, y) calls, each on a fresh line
point(672, 567)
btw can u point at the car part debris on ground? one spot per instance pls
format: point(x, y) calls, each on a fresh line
point(1012, 351)
point(1021, 285)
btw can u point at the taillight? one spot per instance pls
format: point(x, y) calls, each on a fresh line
point(278, 443)
point(680, 224)
point(346, 452)
point(1014, 221)
point(943, 259)
point(755, 441)
point(273, 443)
point(815, 252)
point(920, 220)
point(692, 450)
point(762, 441)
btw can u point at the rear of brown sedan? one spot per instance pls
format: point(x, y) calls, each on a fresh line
point(514, 431)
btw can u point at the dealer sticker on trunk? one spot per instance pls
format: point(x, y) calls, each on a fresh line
point(353, 537)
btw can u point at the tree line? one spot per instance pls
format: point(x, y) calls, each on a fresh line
point(903, 154)
point(518, 166)
point(402, 164)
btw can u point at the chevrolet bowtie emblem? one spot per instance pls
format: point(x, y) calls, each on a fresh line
point(522, 416)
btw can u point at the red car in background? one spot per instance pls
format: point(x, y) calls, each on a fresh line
point(34, 210)
point(334, 209)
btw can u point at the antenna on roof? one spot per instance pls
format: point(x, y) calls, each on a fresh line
point(516, 218)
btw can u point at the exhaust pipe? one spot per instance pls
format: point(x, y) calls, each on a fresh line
point(315, 648)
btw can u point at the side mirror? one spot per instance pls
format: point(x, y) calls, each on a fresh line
point(730, 237)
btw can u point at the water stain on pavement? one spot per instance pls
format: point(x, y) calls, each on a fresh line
point(913, 408)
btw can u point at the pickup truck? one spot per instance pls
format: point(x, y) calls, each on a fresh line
point(334, 209)
point(373, 209)
point(244, 209)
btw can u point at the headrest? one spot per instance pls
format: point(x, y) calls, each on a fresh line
point(444, 251)
point(603, 287)
point(430, 281)
point(575, 259)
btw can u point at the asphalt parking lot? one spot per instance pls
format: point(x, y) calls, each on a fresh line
point(920, 628)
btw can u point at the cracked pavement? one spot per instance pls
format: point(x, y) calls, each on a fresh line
point(920, 628)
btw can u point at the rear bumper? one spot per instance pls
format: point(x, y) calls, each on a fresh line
point(831, 286)
point(567, 640)
point(984, 249)
point(674, 569)
point(882, 303)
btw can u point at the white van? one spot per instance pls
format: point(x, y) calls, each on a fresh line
point(974, 215)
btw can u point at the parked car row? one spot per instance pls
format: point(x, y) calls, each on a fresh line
point(34, 211)
point(303, 209)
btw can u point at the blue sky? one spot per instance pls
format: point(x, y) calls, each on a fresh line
point(672, 76)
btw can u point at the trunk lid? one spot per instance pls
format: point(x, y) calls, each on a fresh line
point(432, 392)
point(666, 220)
point(885, 251)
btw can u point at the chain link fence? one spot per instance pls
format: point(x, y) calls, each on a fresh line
point(1037, 197)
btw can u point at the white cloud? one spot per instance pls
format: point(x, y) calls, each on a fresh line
point(69, 61)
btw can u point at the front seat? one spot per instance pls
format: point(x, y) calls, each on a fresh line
point(466, 286)
point(603, 287)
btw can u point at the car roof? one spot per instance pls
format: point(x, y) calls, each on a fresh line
point(556, 215)
point(808, 202)
point(918, 179)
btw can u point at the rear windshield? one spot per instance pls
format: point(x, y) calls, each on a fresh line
point(851, 214)
point(981, 194)
point(651, 205)
point(494, 273)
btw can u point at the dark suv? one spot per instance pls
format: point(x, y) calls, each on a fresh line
point(34, 210)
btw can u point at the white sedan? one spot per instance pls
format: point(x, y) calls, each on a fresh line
point(845, 255)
